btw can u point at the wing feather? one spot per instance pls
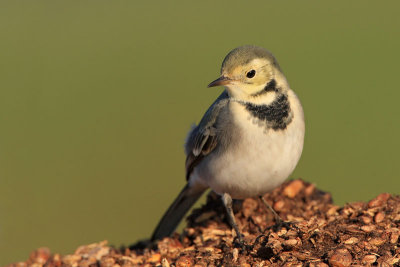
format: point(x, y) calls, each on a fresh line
point(202, 139)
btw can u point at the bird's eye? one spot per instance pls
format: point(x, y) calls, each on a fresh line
point(251, 74)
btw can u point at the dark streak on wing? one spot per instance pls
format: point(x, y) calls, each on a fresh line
point(203, 138)
point(192, 160)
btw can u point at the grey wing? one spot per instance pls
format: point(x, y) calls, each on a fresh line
point(202, 139)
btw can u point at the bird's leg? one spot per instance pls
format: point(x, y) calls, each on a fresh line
point(278, 219)
point(227, 200)
point(279, 223)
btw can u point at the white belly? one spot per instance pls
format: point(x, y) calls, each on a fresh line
point(261, 161)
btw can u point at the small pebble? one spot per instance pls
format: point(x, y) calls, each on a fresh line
point(155, 258)
point(290, 242)
point(379, 200)
point(377, 241)
point(366, 219)
point(341, 258)
point(279, 205)
point(368, 228)
point(369, 259)
point(293, 188)
point(379, 217)
point(351, 240)
point(184, 261)
point(165, 263)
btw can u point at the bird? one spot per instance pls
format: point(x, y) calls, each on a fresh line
point(248, 142)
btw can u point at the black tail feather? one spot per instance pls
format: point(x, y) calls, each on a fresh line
point(168, 223)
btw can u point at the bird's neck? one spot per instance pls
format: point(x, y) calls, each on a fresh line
point(261, 95)
point(270, 105)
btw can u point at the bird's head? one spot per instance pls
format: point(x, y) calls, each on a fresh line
point(247, 70)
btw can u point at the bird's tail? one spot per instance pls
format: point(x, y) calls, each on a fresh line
point(185, 200)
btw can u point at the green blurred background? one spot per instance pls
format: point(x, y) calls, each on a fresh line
point(96, 98)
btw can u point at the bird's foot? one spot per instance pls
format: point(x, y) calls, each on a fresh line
point(282, 224)
point(239, 243)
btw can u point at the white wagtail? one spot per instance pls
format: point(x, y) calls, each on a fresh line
point(247, 143)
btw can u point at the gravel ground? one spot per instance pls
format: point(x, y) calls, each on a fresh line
point(320, 234)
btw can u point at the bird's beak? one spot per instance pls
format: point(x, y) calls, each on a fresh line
point(223, 80)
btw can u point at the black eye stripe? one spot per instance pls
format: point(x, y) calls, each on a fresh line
point(251, 74)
